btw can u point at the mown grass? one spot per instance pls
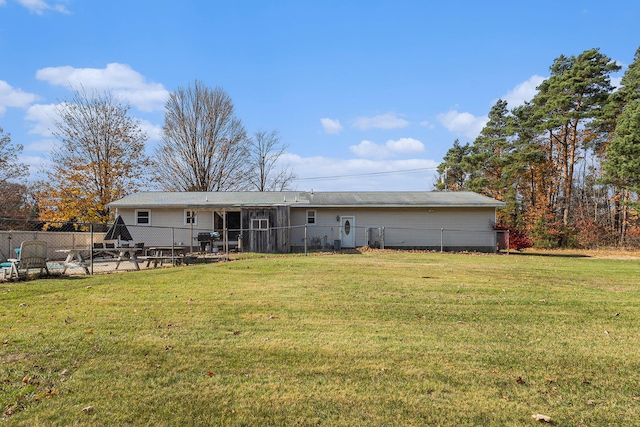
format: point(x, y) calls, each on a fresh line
point(378, 338)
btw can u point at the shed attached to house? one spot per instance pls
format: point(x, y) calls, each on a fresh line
point(282, 222)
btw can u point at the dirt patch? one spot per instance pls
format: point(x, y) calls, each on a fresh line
point(14, 357)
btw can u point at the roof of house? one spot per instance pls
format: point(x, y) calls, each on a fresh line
point(306, 199)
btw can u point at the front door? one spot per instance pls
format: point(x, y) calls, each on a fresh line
point(348, 231)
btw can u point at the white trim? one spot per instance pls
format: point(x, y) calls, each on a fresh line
point(259, 224)
point(137, 218)
point(314, 216)
point(190, 217)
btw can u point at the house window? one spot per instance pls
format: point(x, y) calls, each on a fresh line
point(190, 217)
point(143, 217)
point(311, 217)
point(259, 224)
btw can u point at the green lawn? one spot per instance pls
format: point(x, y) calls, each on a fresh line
point(378, 338)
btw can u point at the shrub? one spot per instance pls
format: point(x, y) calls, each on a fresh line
point(518, 239)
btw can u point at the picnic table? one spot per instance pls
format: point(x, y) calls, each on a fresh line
point(161, 254)
point(119, 254)
point(74, 259)
point(127, 254)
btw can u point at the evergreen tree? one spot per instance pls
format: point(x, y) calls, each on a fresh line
point(567, 101)
point(452, 174)
point(623, 153)
point(490, 153)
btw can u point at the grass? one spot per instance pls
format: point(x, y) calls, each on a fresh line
point(378, 338)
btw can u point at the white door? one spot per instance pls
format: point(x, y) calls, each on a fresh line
point(348, 231)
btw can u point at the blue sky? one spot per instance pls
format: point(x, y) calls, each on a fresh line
point(370, 94)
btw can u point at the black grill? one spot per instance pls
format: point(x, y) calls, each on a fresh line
point(206, 238)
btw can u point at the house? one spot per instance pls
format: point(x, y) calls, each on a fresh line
point(280, 222)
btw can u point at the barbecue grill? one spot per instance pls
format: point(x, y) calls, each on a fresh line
point(207, 238)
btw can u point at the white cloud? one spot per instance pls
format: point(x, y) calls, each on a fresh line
point(121, 79)
point(405, 146)
point(43, 116)
point(368, 149)
point(3, 2)
point(331, 174)
point(463, 123)
point(523, 92)
point(470, 126)
point(331, 126)
point(616, 82)
point(40, 6)
point(382, 121)
point(402, 146)
point(42, 146)
point(154, 132)
point(12, 97)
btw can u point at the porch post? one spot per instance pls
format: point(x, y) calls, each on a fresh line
point(226, 234)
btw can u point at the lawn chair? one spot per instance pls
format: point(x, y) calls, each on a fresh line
point(32, 256)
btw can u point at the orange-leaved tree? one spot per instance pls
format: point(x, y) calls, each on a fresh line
point(100, 158)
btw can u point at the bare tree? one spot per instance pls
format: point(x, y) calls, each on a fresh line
point(204, 146)
point(267, 174)
point(10, 168)
point(100, 158)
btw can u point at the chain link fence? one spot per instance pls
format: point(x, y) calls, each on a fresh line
point(82, 248)
point(314, 238)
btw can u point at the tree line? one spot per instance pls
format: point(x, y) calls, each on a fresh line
point(100, 156)
point(566, 163)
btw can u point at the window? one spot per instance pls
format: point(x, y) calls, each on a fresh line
point(311, 217)
point(143, 217)
point(259, 224)
point(190, 217)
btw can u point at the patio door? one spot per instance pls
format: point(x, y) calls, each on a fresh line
point(348, 231)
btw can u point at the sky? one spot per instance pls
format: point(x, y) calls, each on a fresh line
point(366, 95)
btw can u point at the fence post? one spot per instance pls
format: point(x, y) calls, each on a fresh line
point(442, 240)
point(508, 242)
point(366, 232)
point(305, 240)
point(91, 246)
point(173, 244)
point(381, 237)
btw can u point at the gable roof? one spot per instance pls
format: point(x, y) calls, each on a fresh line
point(232, 199)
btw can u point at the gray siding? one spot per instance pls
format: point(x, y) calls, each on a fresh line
point(167, 227)
point(275, 239)
point(455, 228)
point(464, 228)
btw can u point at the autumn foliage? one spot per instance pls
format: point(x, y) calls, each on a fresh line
point(565, 163)
point(518, 239)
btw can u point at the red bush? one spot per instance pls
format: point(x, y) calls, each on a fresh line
point(518, 239)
